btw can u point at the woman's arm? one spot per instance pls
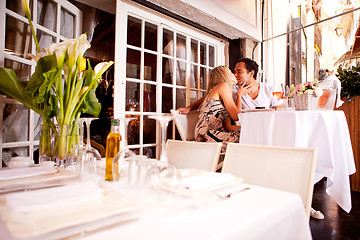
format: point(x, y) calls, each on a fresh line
point(225, 94)
point(193, 106)
point(228, 126)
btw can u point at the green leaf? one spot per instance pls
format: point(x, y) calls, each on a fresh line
point(12, 87)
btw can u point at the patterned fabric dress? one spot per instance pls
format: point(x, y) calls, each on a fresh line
point(209, 127)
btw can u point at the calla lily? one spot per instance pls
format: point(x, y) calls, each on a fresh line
point(25, 7)
point(77, 49)
point(100, 68)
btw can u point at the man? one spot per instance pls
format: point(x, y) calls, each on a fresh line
point(253, 94)
point(260, 95)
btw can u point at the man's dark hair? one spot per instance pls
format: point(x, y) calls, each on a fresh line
point(250, 65)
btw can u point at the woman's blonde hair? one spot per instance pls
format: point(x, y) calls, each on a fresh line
point(218, 75)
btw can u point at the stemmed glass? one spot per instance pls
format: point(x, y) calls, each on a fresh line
point(75, 150)
point(162, 175)
point(87, 156)
point(124, 156)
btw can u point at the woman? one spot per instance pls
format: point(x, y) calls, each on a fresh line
point(214, 123)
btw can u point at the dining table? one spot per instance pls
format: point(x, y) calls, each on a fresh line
point(123, 212)
point(325, 130)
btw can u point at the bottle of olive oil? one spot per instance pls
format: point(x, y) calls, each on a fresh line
point(112, 147)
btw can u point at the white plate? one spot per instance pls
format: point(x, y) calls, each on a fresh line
point(257, 110)
point(61, 177)
point(113, 207)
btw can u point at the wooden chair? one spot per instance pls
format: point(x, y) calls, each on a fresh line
point(191, 154)
point(98, 146)
point(185, 123)
point(285, 168)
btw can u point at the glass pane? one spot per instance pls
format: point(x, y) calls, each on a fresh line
point(149, 98)
point(194, 51)
point(134, 31)
point(150, 152)
point(202, 78)
point(202, 94)
point(180, 98)
point(211, 56)
point(167, 70)
point(18, 38)
point(44, 39)
point(167, 99)
point(134, 130)
point(133, 64)
point(203, 53)
point(15, 6)
point(180, 73)
point(22, 70)
point(67, 24)
point(15, 123)
point(168, 42)
point(181, 46)
point(132, 96)
point(149, 131)
point(150, 36)
point(150, 67)
point(193, 96)
point(46, 14)
point(193, 76)
point(8, 153)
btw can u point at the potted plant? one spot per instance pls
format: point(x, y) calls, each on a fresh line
point(61, 88)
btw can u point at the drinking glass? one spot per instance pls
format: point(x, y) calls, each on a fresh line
point(87, 156)
point(75, 150)
point(162, 177)
point(123, 158)
point(278, 91)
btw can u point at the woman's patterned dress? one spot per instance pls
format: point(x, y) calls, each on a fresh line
point(209, 127)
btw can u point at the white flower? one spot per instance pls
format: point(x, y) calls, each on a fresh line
point(100, 68)
point(302, 88)
point(299, 93)
point(309, 92)
point(318, 91)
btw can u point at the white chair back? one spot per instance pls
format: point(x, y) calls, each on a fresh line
point(185, 124)
point(191, 154)
point(283, 168)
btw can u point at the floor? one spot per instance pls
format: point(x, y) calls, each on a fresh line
point(337, 223)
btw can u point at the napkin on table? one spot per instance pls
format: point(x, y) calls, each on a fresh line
point(207, 181)
point(13, 173)
point(48, 198)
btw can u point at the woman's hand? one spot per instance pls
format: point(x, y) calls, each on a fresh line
point(243, 90)
point(184, 110)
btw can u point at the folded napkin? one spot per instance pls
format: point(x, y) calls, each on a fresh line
point(44, 199)
point(13, 173)
point(208, 181)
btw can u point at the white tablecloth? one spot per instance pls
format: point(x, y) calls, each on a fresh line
point(258, 213)
point(325, 130)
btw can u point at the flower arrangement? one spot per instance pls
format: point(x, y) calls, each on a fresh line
point(310, 88)
point(306, 95)
point(61, 88)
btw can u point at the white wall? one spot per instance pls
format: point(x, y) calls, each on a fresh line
point(276, 23)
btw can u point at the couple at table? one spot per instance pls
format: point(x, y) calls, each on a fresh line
point(227, 94)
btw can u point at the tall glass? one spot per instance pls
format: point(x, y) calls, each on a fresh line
point(123, 158)
point(87, 156)
point(163, 178)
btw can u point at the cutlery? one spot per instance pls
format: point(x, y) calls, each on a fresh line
point(229, 194)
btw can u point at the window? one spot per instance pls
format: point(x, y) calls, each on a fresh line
point(54, 21)
point(162, 65)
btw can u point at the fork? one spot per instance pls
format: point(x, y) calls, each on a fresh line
point(229, 194)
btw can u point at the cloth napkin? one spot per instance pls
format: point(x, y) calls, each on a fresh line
point(14, 173)
point(45, 199)
point(208, 181)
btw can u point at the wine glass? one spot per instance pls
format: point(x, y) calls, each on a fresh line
point(278, 91)
point(123, 158)
point(75, 150)
point(87, 156)
point(162, 177)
